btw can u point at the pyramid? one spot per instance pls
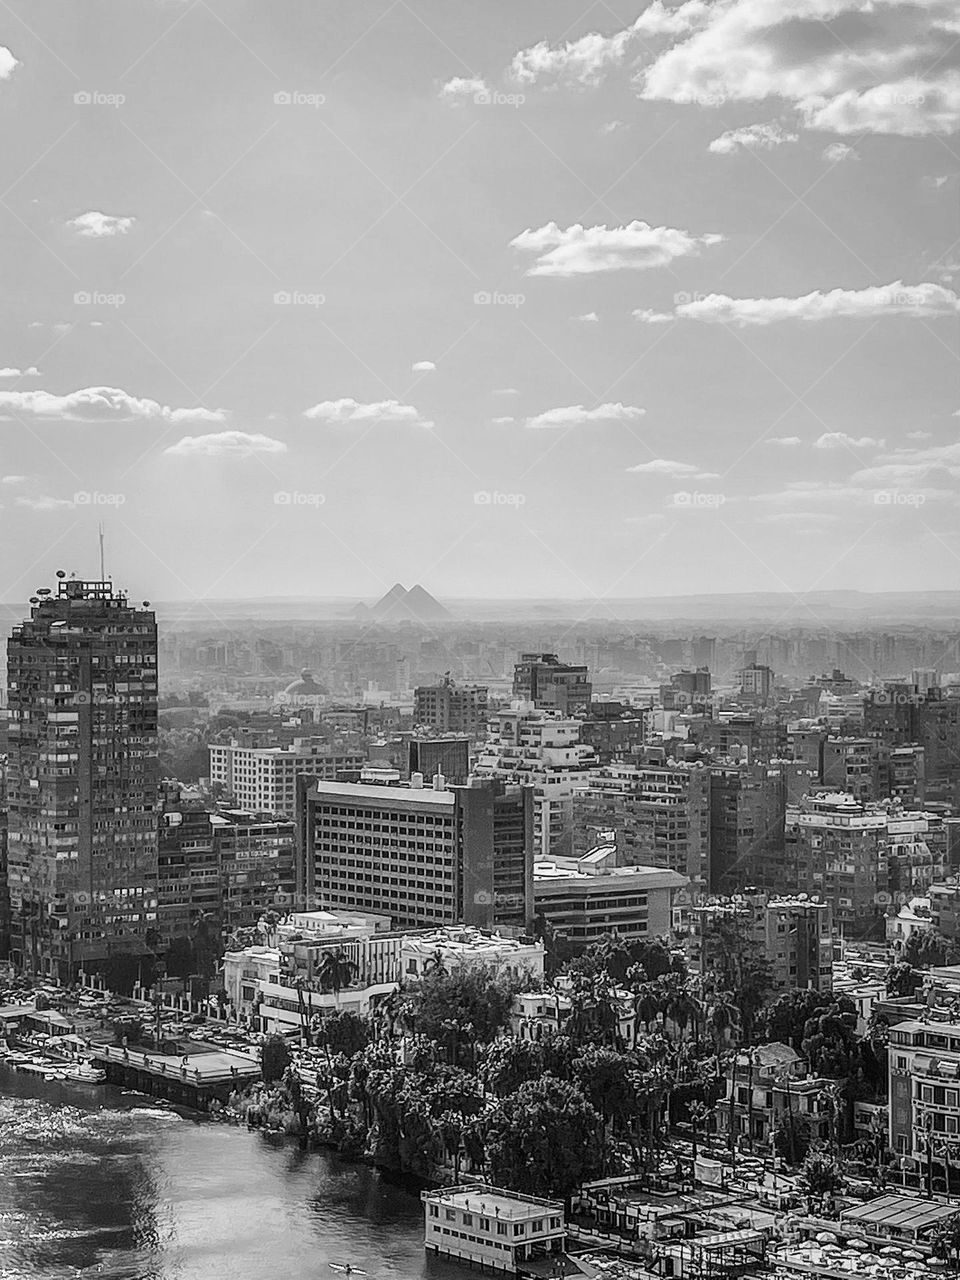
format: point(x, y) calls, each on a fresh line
point(415, 605)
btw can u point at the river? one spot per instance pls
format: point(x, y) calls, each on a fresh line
point(109, 1186)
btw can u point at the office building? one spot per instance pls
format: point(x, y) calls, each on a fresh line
point(264, 779)
point(748, 805)
point(541, 678)
point(82, 782)
point(433, 855)
point(448, 707)
point(448, 755)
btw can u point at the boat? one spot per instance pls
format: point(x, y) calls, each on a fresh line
point(86, 1074)
point(346, 1268)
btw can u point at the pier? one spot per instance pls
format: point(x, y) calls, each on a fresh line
point(192, 1080)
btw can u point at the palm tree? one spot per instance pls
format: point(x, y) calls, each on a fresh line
point(699, 1115)
point(336, 971)
point(723, 1019)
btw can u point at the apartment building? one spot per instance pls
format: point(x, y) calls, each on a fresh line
point(264, 779)
point(449, 707)
point(924, 1087)
point(794, 933)
point(583, 900)
point(541, 678)
point(542, 750)
point(660, 816)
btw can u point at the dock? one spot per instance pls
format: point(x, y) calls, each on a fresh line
point(192, 1080)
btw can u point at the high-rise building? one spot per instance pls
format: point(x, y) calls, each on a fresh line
point(687, 691)
point(582, 900)
point(747, 809)
point(541, 678)
point(451, 708)
point(904, 714)
point(82, 853)
point(793, 933)
point(756, 683)
point(263, 779)
point(427, 856)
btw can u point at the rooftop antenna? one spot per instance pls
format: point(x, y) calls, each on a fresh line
point(103, 576)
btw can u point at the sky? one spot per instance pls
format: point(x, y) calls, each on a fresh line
point(512, 298)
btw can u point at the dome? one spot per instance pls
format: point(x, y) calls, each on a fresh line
point(304, 689)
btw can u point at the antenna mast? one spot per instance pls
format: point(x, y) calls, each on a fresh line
point(103, 576)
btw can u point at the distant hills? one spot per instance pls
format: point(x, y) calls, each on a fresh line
point(401, 605)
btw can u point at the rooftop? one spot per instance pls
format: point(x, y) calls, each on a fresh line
point(494, 1201)
point(383, 795)
point(900, 1210)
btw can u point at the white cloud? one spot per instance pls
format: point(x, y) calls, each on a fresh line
point(8, 63)
point(646, 316)
point(754, 137)
point(588, 317)
point(424, 366)
point(349, 412)
point(44, 503)
point(838, 151)
point(99, 404)
point(787, 442)
point(225, 444)
point(840, 440)
point(32, 372)
point(668, 467)
point(611, 126)
point(581, 250)
point(576, 415)
point(848, 66)
point(919, 435)
point(13, 480)
point(461, 87)
point(513, 391)
point(922, 300)
point(585, 61)
point(499, 422)
point(96, 225)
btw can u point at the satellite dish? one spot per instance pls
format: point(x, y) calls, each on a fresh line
point(34, 600)
point(61, 574)
point(146, 604)
point(43, 591)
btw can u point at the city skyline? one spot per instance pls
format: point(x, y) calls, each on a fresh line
point(568, 298)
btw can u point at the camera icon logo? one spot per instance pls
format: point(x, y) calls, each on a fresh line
point(482, 299)
point(82, 98)
point(282, 299)
point(482, 498)
point(82, 299)
point(282, 98)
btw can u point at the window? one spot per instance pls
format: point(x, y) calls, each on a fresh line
point(501, 1228)
point(434, 1211)
point(451, 1216)
point(468, 1219)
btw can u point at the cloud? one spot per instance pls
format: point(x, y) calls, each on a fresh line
point(586, 60)
point(667, 467)
point(589, 317)
point(840, 440)
point(754, 137)
point(499, 422)
point(99, 404)
point(97, 225)
point(838, 151)
point(460, 87)
point(225, 444)
point(921, 300)
point(646, 316)
point(611, 126)
point(848, 66)
point(576, 415)
point(349, 412)
point(787, 442)
point(918, 435)
point(8, 63)
point(581, 250)
point(13, 480)
point(513, 391)
point(32, 372)
point(44, 503)
point(423, 366)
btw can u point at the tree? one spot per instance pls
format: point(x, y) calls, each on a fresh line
point(785, 1020)
point(458, 1010)
point(945, 1241)
point(336, 971)
point(830, 1039)
point(341, 1032)
point(792, 1138)
point(274, 1058)
point(928, 947)
point(821, 1175)
point(699, 1114)
point(902, 979)
point(543, 1140)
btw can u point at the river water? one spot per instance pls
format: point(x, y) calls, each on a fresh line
point(109, 1186)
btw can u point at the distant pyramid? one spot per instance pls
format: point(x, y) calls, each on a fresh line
point(400, 605)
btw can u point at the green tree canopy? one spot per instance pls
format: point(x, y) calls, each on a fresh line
point(543, 1139)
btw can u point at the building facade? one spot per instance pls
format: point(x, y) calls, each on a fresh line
point(264, 779)
point(541, 678)
point(83, 784)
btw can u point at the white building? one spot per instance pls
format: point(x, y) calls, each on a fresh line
point(543, 749)
point(455, 945)
point(583, 899)
point(537, 1015)
point(264, 779)
point(496, 1228)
